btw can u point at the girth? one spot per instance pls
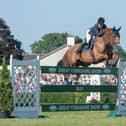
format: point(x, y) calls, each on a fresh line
point(93, 56)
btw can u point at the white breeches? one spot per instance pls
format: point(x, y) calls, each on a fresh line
point(88, 36)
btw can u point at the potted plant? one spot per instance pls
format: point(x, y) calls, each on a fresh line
point(6, 98)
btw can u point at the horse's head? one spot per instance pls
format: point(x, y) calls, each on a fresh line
point(111, 36)
point(116, 36)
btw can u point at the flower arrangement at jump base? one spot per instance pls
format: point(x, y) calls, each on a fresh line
point(6, 98)
point(91, 100)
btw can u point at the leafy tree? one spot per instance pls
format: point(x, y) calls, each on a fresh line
point(78, 39)
point(8, 45)
point(122, 54)
point(51, 41)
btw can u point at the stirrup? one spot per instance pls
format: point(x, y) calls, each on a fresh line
point(85, 45)
point(78, 51)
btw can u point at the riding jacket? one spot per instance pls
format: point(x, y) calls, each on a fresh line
point(95, 31)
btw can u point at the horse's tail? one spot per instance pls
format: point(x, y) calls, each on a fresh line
point(60, 63)
point(65, 59)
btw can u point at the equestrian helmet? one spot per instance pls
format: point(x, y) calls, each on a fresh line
point(101, 20)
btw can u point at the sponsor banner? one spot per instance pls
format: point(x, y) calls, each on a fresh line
point(78, 70)
point(77, 107)
point(78, 88)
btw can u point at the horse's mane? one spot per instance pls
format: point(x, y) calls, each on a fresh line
point(107, 34)
point(108, 30)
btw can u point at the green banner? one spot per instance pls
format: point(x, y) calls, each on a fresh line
point(76, 107)
point(78, 70)
point(78, 88)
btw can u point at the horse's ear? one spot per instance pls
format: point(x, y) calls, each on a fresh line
point(113, 28)
point(119, 28)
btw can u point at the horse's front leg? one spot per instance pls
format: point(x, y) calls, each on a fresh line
point(114, 60)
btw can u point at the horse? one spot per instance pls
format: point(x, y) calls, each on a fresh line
point(102, 50)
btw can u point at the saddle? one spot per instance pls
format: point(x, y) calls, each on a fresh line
point(86, 46)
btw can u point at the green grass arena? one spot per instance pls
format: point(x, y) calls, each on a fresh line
point(78, 118)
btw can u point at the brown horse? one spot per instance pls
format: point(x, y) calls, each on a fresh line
point(102, 50)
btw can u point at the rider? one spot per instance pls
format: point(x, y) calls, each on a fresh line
point(96, 30)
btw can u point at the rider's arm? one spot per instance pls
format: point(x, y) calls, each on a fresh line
point(94, 31)
point(99, 33)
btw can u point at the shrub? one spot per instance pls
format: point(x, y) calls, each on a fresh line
point(6, 99)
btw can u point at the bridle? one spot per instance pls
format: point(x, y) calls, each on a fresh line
point(115, 34)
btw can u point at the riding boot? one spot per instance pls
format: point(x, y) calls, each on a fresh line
point(86, 46)
point(80, 49)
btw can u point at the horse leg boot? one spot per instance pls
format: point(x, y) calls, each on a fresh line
point(113, 62)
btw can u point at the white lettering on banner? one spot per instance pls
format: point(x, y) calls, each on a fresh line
point(63, 70)
point(79, 88)
point(82, 107)
point(95, 107)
